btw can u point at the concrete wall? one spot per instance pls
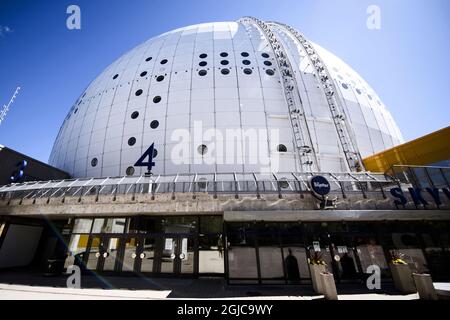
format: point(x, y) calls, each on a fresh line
point(19, 245)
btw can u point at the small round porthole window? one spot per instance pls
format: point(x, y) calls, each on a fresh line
point(223, 54)
point(202, 183)
point(156, 99)
point(268, 63)
point(159, 78)
point(130, 171)
point(281, 148)
point(148, 59)
point(134, 115)
point(143, 74)
point(225, 71)
point(94, 162)
point(248, 71)
point(132, 141)
point(345, 86)
point(202, 73)
point(283, 183)
point(203, 55)
point(265, 55)
point(203, 63)
point(246, 62)
point(202, 149)
point(139, 92)
point(224, 62)
point(244, 54)
point(115, 76)
point(163, 61)
point(270, 72)
point(154, 124)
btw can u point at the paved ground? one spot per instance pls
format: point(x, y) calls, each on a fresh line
point(28, 285)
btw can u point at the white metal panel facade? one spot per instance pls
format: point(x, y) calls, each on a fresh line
point(224, 77)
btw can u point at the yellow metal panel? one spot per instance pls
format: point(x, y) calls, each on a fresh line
point(423, 151)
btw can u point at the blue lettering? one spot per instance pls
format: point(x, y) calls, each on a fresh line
point(398, 193)
point(417, 196)
point(434, 192)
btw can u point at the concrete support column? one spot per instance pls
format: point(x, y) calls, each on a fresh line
point(403, 280)
point(315, 271)
point(424, 285)
point(328, 286)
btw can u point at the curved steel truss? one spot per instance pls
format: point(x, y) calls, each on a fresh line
point(302, 136)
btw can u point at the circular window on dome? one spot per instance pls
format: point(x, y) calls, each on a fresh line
point(358, 91)
point(154, 124)
point(163, 61)
point(203, 63)
point(134, 115)
point(281, 148)
point(270, 72)
point(130, 171)
point(224, 62)
point(94, 162)
point(223, 54)
point(268, 63)
point(246, 62)
point(157, 99)
point(203, 55)
point(115, 76)
point(143, 74)
point(265, 55)
point(202, 149)
point(248, 71)
point(202, 73)
point(244, 54)
point(159, 78)
point(139, 92)
point(132, 141)
point(283, 183)
point(148, 59)
point(345, 86)
point(225, 71)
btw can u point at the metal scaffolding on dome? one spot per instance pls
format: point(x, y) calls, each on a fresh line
point(236, 184)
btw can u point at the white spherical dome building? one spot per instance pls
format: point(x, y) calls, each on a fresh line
point(246, 96)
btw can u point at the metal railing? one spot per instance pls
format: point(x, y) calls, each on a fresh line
point(236, 184)
point(421, 176)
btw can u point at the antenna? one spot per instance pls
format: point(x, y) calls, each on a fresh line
point(5, 108)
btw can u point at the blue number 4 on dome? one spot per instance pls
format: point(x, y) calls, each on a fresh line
point(150, 154)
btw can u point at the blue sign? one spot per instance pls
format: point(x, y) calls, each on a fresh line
point(320, 185)
point(417, 197)
point(19, 173)
point(150, 153)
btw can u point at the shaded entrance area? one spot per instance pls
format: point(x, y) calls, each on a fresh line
point(160, 246)
point(278, 253)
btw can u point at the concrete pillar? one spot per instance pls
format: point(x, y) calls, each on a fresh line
point(424, 285)
point(328, 286)
point(315, 271)
point(403, 280)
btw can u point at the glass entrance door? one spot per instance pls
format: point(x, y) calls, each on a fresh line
point(176, 254)
point(103, 253)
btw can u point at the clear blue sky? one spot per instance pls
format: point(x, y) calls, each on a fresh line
point(406, 62)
